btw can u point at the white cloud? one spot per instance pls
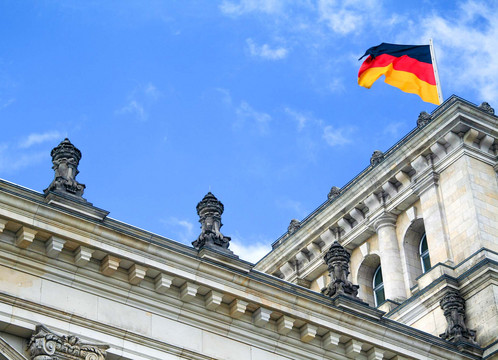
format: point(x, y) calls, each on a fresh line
point(345, 17)
point(300, 118)
point(6, 103)
point(12, 160)
point(247, 6)
point(246, 113)
point(293, 206)
point(139, 101)
point(252, 252)
point(265, 51)
point(466, 46)
point(135, 108)
point(337, 136)
point(34, 139)
point(182, 228)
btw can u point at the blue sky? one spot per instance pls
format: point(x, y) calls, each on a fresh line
point(254, 100)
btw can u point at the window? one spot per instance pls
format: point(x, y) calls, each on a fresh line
point(378, 287)
point(423, 252)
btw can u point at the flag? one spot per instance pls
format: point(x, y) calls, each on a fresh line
point(407, 67)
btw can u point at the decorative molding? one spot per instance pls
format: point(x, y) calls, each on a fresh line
point(54, 246)
point(307, 332)
point(24, 237)
point(285, 324)
point(109, 265)
point(46, 345)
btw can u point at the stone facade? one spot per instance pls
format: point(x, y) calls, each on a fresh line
point(405, 253)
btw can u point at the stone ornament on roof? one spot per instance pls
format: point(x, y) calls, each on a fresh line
point(377, 158)
point(453, 306)
point(46, 345)
point(65, 159)
point(209, 210)
point(337, 260)
point(334, 192)
point(423, 119)
point(293, 226)
point(486, 107)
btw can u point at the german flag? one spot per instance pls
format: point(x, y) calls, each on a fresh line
point(407, 67)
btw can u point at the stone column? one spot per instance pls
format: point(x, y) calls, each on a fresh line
point(434, 216)
point(390, 260)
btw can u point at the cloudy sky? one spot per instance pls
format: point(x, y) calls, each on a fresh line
point(254, 100)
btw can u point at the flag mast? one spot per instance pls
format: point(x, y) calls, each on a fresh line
point(436, 74)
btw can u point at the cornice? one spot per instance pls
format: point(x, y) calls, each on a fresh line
point(424, 153)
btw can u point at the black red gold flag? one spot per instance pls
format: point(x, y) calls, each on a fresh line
point(407, 67)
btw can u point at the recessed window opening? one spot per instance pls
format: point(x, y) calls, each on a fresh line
point(425, 259)
point(378, 287)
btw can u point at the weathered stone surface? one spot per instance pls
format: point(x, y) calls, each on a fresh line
point(46, 345)
point(334, 192)
point(293, 226)
point(337, 260)
point(65, 158)
point(377, 158)
point(209, 211)
point(486, 107)
point(423, 118)
point(453, 306)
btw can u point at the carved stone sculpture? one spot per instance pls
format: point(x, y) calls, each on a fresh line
point(209, 211)
point(65, 158)
point(337, 260)
point(377, 157)
point(293, 226)
point(486, 107)
point(453, 306)
point(46, 345)
point(423, 118)
point(334, 192)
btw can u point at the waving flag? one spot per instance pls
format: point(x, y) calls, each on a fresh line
point(407, 67)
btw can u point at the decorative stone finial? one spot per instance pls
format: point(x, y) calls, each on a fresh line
point(209, 210)
point(486, 107)
point(377, 158)
point(46, 345)
point(334, 192)
point(423, 118)
point(65, 158)
point(293, 226)
point(453, 306)
point(337, 260)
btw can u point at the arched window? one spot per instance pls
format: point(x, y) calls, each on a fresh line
point(378, 287)
point(423, 252)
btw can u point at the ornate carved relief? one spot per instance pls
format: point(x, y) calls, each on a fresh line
point(453, 306)
point(65, 158)
point(377, 158)
point(334, 192)
point(423, 118)
point(486, 107)
point(293, 226)
point(209, 211)
point(46, 345)
point(337, 260)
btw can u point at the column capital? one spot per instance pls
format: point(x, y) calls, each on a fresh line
point(385, 219)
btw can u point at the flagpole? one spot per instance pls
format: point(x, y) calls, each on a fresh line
point(436, 74)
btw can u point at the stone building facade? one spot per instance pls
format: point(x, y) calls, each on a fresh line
point(400, 263)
